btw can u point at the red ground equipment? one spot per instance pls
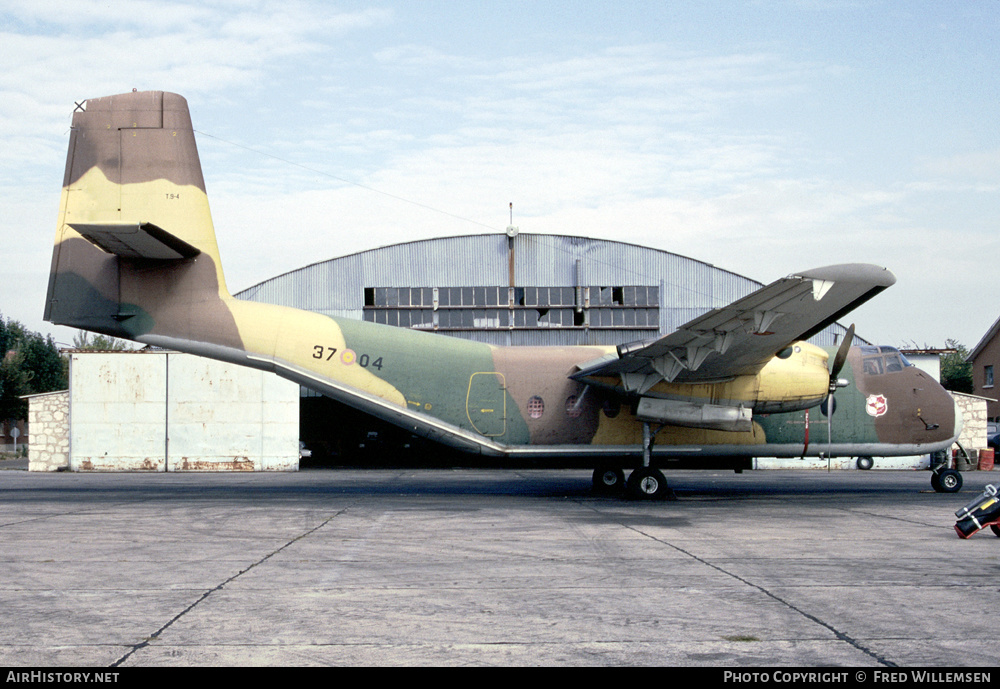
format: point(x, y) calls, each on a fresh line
point(982, 512)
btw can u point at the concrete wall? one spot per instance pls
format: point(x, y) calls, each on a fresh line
point(166, 411)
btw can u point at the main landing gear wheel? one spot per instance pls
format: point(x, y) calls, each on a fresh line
point(946, 481)
point(646, 483)
point(608, 480)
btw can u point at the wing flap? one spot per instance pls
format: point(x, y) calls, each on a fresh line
point(136, 240)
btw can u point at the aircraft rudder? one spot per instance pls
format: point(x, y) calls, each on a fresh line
point(133, 191)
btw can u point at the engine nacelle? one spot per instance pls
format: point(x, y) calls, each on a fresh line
point(798, 378)
point(693, 415)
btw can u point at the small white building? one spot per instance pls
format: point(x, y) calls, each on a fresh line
point(927, 360)
point(165, 411)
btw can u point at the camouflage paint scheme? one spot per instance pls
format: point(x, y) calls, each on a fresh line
point(136, 257)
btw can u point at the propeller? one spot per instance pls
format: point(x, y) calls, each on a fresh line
point(841, 359)
point(836, 382)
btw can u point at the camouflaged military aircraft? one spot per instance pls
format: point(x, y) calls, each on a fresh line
point(136, 257)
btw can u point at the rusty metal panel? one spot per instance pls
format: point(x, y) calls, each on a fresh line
point(116, 412)
point(279, 447)
point(166, 411)
point(223, 417)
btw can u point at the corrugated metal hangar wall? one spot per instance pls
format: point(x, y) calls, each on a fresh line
point(524, 290)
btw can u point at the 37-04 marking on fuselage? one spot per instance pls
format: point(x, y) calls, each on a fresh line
point(348, 357)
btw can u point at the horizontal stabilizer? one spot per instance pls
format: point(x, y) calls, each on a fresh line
point(136, 240)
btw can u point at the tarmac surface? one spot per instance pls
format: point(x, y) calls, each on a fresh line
point(492, 567)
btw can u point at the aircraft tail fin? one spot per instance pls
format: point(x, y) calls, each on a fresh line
point(135, 245)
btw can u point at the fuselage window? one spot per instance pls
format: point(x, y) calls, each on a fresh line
point(536, 407)
point(873, 366)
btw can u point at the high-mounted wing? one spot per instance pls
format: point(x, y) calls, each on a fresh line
point(740, 338)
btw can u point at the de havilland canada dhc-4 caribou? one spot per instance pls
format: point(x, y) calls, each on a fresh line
point(136, 257)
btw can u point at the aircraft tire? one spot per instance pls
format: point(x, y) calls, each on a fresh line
point(865, 463)
point(947, 481)
point(995, 528)
point(646, 483)
point(608, 480)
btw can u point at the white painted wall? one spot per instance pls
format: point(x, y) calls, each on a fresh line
point(166, 411)
point(928, 363)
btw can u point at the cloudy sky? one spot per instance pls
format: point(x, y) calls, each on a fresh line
point(765, 137)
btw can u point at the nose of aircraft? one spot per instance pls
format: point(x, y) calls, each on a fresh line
point(907, 404)
point(937, 408)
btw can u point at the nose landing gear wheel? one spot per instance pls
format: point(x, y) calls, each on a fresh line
point(946, 481)
point(646, 483)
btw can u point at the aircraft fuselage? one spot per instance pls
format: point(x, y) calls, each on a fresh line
point(136, 256)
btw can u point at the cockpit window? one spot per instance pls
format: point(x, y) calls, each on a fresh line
point(879, 360)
